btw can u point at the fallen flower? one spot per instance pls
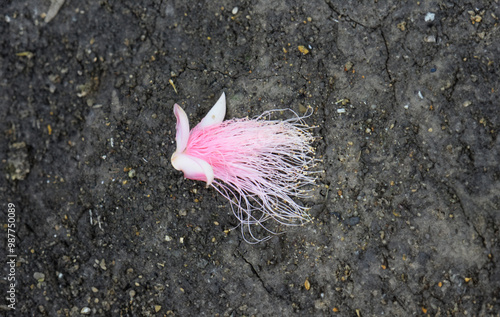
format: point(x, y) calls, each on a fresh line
point(259, 165)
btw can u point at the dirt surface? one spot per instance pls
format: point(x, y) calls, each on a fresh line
point(406, 97)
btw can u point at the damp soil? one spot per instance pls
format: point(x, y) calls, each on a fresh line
point(406, 102)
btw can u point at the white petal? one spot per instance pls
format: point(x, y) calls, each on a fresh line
point(216, 114)
point(182, 134)
point(193, 167)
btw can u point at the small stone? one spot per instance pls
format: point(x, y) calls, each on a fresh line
point(157, 308)
point(402, 26)
point(85, 311)
point(103, 265)
point(430, 39)
point(348, 66)
point(243, 307)
point(183, 212)
point(131, 173)
point(303, 49)
point(320, 305)
point(235, 10)
point(40, 277)
point(429, 17)
point(17, 163)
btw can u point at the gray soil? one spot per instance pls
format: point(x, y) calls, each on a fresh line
point(406, 217)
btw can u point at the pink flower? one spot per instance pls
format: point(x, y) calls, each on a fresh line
point(259, 165)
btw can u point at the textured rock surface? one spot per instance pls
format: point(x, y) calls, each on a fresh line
point(407, 215)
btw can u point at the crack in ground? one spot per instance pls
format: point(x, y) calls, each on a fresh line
point(332, 7)
point(268, 289)
point(392, 80)
point(254, 271)
point(455, 191)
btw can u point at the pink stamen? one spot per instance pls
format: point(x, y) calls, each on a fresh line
point(260, 166)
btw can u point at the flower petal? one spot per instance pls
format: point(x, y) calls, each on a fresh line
point(215, 115)
point(182, 134)
point(193, 167)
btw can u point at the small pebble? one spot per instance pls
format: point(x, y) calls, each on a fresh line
point(103, 265)
point(131, 173)
point(430, 39)
point(348, 66)
point(429, 17)
point(85, 311)
point(302, 108)
point(235, 10)
point(40, 277)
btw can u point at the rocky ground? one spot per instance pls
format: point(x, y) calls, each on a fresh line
point(406, 100)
